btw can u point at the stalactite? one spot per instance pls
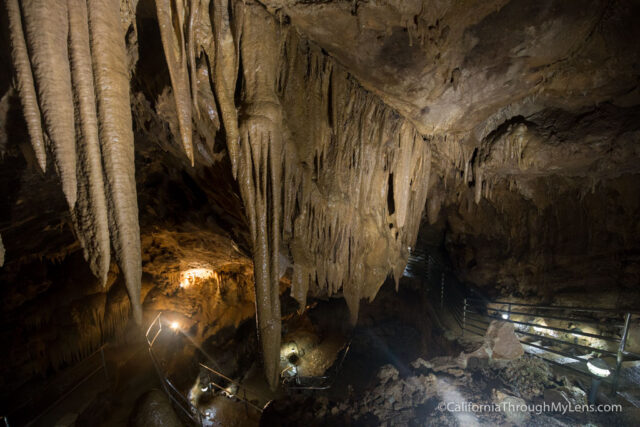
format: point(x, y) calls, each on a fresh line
point(225, 72)
point(194, 11)
point(25, 83)
point(343, 235)
point(71, 46)
point(116, 140)
point(259, 175)
point(172, 30)
point(47, 34)
point(90, 211)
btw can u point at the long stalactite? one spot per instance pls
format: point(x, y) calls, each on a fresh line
point(26, 86)
point(47, 35)
point(72, 55)
point(259, 163)
point(90, 212)
point(116, 139)
point(172, 29)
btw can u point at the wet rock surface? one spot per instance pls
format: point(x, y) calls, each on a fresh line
point(155, 410)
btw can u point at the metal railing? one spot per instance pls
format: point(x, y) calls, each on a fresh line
point(473, 312)
point(539, 335)
point(442, 285)
point(240, 389)
point(188, 411)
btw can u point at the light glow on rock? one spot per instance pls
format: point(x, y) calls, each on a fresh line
point(193, 275)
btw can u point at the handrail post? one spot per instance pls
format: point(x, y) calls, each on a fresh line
point(429, 267)
point(442, 291)
point(464, 316)
point(620, 358)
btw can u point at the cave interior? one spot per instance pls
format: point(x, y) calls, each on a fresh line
point(320, 212)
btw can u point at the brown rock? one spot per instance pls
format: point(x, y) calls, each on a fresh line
point(502, 342)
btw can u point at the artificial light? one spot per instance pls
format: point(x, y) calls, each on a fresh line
point(599, 367)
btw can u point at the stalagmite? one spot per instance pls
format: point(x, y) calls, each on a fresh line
point(90, 212)
point(173, 42)
point(47, 34)
point(25, 83)
point(116, 141)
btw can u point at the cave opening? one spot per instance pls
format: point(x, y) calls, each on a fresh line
point(283, 212)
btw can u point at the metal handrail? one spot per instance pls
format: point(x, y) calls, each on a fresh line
point(452, 296)
point(170, 390)
point(192, 412)
point(545, 337)
point(239, 385)
point(469, 316)
point(584, 347)
point(185, 406)
point(566, 319)
point(552, 328)
point(562, 365)
point(559, 307)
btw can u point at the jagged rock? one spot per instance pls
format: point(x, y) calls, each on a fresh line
point(421, 363)
point(386, 373)
point(502, 342)
point(528, 375)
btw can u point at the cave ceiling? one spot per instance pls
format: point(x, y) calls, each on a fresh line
point(314, 140)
